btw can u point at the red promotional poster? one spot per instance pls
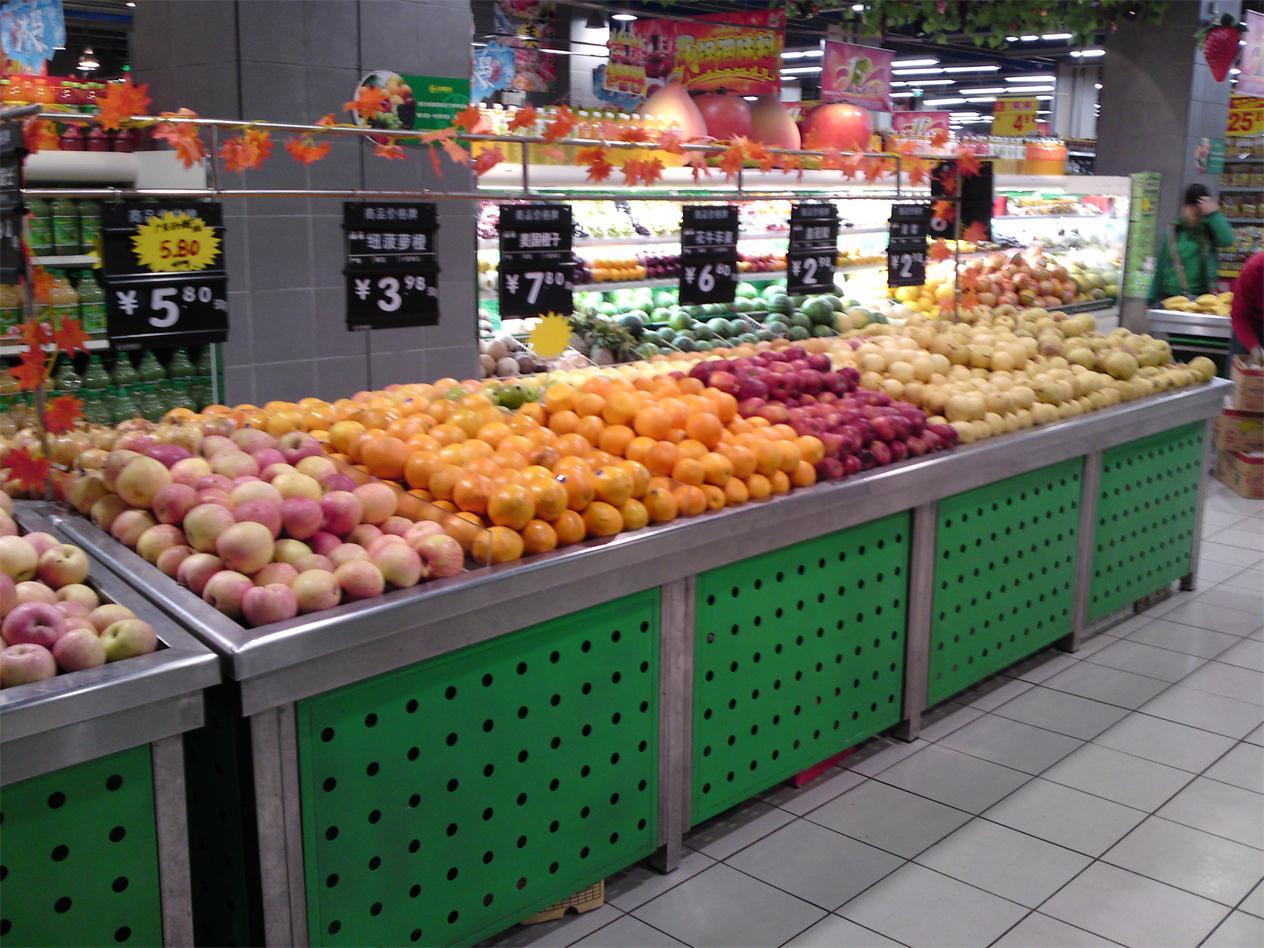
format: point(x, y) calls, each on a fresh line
point(859, 75)
point(918, 124)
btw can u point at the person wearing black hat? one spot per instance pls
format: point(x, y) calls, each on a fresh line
point(1186, 261)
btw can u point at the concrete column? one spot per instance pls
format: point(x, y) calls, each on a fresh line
point(294, 61)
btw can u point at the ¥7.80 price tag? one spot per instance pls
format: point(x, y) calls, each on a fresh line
point(532, 290)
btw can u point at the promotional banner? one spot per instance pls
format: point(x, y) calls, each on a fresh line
point(527, 24)
point(859, 75)
point(1246, 116)
point(30, 30)
point(425, 103)
point(624, 73)
point(1143, 216)
point(492, 70)
point(1014, 117)
point(1251, 60)
point(919, 124)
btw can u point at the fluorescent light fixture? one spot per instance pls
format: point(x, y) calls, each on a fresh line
point(972, 68)
point(1088, 53)
point(986, 90)
point(556, 52)
point(1029, 37)
point(797, 70)
point(903, 95)
point(1234, 71)
point(1055, 36)
point(1045, 98)
point(1011, 39)
point(751, 98)
point(949, 101)
point(130, 3)
point(1049, 79)
point(924, 82)
point(802, 54)
point(88, 60)
point(920, 71)
point(981, 98)
point(857, 8)
point(623, 17)
point(1043, 112)
point(930, 61)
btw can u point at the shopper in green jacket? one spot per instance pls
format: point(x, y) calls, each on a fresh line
point(1186, 261)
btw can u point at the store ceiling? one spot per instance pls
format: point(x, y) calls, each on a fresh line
point(103, 25)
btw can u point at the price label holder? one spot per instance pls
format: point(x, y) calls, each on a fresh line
point(813, 249)
point(164, 276)
point(392, 266)
point(1015, 117)
point(537, 267)
point(11, 152)
point(975, 200)
point(708, 254)
point(909, 226)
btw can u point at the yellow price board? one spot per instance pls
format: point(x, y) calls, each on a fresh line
point(1015, 117)
point(1246, 116)
point(174, 242)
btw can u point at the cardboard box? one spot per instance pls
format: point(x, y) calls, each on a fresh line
point(1238, 430)
point(1243, 473)
point(1248, 381)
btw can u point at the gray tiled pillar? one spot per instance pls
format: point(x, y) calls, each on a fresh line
point(294, 61)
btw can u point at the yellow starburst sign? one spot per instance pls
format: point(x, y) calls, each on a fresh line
point(551, 336)
point(175, 242)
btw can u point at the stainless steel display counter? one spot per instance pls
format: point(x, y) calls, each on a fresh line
point(1166, 322)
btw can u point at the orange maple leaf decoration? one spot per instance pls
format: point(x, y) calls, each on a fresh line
point(790, 163)
point(30, 472)
point(247, 150)
point(39, 135)
point(633, 133)
point(596, 160)
point(368, 101)
point(391, 151)
point(908, 147)
point(968, 163)
point(917, 170)
point(631, 171)
point(62, 413)
point(939, 250)
point(939, 138)
point(183, 138)
point(327, 120)
point(468, 118)
point(34, 333)
point(120, 101)
point(306, 150)
point(69, 337)
point(487, 160)
point(976, 232)
point(456, 154)
point(524, 118)
point(850, 166)
point(30, 370)
point(967, 281)
point(671, 140)
point(651, 170)
point(697, 161)
point(758, 152)
point(947, 178)
point(969, 299)
point(872, 168)
point(947, 306)
point(42, 285)
point(733, 158)
point(561, 126)
point(942, 210)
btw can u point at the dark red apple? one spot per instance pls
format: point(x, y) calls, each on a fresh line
point(727, 116)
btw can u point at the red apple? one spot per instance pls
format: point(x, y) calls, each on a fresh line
point(271, 603)
point(726, 116)
point(22, 664)
point(79, 649)
point(34, 623)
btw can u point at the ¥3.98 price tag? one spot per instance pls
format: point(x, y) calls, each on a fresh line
point(392, 267)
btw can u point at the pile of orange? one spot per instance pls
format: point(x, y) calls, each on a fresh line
point(607, 456)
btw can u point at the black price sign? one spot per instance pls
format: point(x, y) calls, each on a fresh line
point(164, 274)
point(11, 152)
point(392, 265)
point(906, 267)
point(910, 224)
point(536, 270)
point(708, 254)
point(813, 249)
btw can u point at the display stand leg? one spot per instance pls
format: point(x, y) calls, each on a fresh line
point(1188, 580)
point(675, 728)
point(172, 823)
point(1090, 487)
point(275, 754)
point(917, 645)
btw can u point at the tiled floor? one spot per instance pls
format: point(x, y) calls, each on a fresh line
point(1114, 796)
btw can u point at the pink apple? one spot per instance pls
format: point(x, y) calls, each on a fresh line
point(282, 573)
point(323, 542)
point(141, 479)
point(84, 491)
point(189, 471)
point(316, 589)
point(23, 664)
point(287, 551)
point(246, 547)
point(339, 482)
point(130, 524)
point(251, 440)
point(346, 553)
point(252, 488)
point(420, 530)
point(80, 622)
point(225, 590)
point(86, 596)
point(154, 541)
point(173, 502)
point(234, 464)
point(218, 481)
point(8, 594)
point(271, 603)
point(216, 444)
point(36, 623)
point(386, 539)
point(343, 512)
point(115, 461)
point(296, 445)
point(274, 470)
point(103, 616)
point(263, 512)
point(34, 591)
point(297, 485)
point(313, 561)
point(301, 517)
point(68, 608)
point(64, 564)
point(204, 523)
point(169, 560)
point(8, 528)
point(134, 440)
point(106, 509)
point(399, 564)
point(364, 534)
point(441, 556)
point(78, 649)
point(266, 457)
point(359, 579)
point(18, 559)
point(128, 638)
point(194, 571)
point(378, 500)
point(215, 495)
point(167, 454)
point(318, 466)
point(41, 541)
point(397, 525)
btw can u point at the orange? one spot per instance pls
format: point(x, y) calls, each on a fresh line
point(470, 517)
point(803, 475)
point(662, 458)
point(558, 397)
point(511, 459)
point(692, 448)
point(597, 385)
point(705, 428)
point(516, 443)
point(758, 487)
point(717, 468)
point(538, 537)
point(467, 421)
point(602, 520)
point(767, 458)
point(497, 545)
point(590, 428)
point(446, 506)
point(563, 422)
point(543, 457)
point(690, 499)
point(616, 439)
point(660, 504)
point(810, 448)
point(505, 475)
point(652, 422)
point(443, 481)
point(589, 404)
point(343, 433)
point(639, 448)
point(780, 482)
point(735, 492)
point(620, 408)
point(579, 489)
point(613, 485)
point(573, 445)
point(742, 459)
point(510, 505)
point(471, 492)
point(725, 404)
point(790, 456)
point(634, 514)
point(569, 528)
point(447, 434)
point(715, 496)
point(418, 468)
point(690, 385)
point(640, 475)
point(549, 496)
point(689, 471)
point(493, 432)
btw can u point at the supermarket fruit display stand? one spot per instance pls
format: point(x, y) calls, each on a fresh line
point(437, 763)
point(93, 822)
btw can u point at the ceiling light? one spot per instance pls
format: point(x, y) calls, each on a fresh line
point(1029, 37)
point(857, 8)
point(88, 60)
point(925, 82)
point(1043, 112)
point(1055, 36)
point(1049, 79)
point(130, 3)
point(1088, 53)
point(1234, 71)
point(953, 101)
point(751, 98)
point(1097, 86)
point(972, 68)
point(1011, 39)
point(921, 70)
point(1044, 98)
point(983, 98)
point(987, 90)
point(897, 63)
point(903, 95)
point(623, 17)
point(802, 54)
point(595, 21)
point(796, 70)
point(556, 52)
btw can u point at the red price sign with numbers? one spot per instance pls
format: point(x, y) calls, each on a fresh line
point(1246, 116)
point(1015, 117)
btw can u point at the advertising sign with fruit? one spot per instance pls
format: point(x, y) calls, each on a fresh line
point(919, 124)
point(860, 75)
point(425, 103)
point(625, 70)
point(1251, 59)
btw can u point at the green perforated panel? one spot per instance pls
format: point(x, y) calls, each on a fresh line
point(445, 801)
point(798, 654)
point(79, 855)
point(1145, 517)
point(1004, 574)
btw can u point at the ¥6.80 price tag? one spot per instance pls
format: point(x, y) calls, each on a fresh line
point(707, 281)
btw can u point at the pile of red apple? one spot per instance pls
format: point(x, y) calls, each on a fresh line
point(50, 619)
point(859, 428)
point(261, 528)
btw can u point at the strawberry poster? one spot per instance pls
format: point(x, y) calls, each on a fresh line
point(859, 75)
